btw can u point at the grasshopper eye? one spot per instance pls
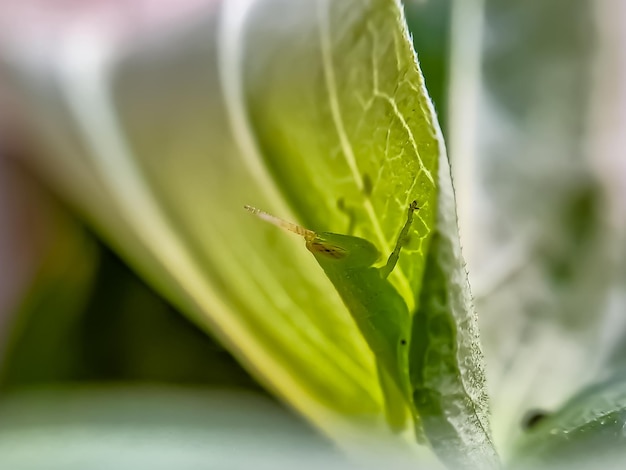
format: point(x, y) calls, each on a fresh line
point(327, 249)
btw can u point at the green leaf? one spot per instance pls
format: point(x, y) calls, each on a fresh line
point(349, 136)
point(587, 432)
point(162, 166)
point(316, 112)
point(384, 148)
point(155, 427)
point(446, 360)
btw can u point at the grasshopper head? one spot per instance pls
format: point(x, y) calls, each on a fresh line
point(343, 249)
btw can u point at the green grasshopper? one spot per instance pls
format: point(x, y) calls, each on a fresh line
point(376, 306)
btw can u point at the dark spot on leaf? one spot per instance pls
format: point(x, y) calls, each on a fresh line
point(402, 342)
point(532, 418)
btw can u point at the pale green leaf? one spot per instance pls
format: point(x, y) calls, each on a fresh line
point(94, 428)
point(589, 431)
point(446, 359)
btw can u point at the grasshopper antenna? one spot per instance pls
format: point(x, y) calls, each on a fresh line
point(308, 235)
point(404, 233)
